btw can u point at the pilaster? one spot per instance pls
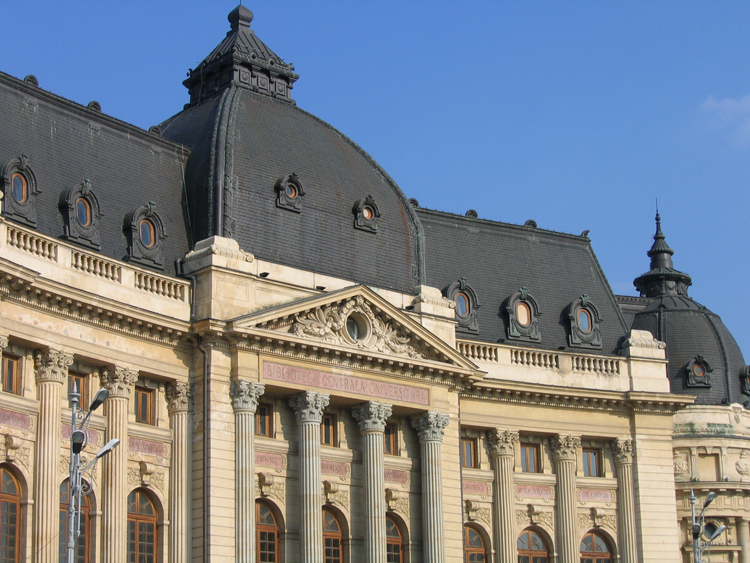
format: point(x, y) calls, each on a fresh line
point(119, 381)
point(430, 428)
point(308, 409)
point(179, 398)
point(623, 451)
point(743, 537)
point(51, 371)
point(372, 417)
point(245, 395)
point(502, 452)
point(564, 452)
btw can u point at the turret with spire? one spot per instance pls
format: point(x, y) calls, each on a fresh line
point(662, 279)
point(241, 60)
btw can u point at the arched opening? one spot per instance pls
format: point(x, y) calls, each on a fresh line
point(333, 538)
point(10, 516)
point(474, 549)
point(394, 541)
point(595, 549)
point(532, 548)
point(266, 534)
point(143, 537)
point(82, 543)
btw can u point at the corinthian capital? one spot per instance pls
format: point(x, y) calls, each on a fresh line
point(178, 397)
point(245, 395)
point(502, 442)
point(308, 406)
point(51, 365)
point(118, 380)
point(565, 447)
point(372, 416)
point(430, 426)
point(623, 449)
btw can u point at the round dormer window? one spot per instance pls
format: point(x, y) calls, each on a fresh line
point(584, 321)
point(356, 327)
point(367, 212)
point(699, 370)
point(463, 308)
point(147, 233)
point(523, 313)
point(83, 212)
point(290, 190)
point(20, 188)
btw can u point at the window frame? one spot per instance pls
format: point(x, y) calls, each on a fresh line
point(331, 428)
point(472, 550)
point(82, 389)
point(527, 447)
point(393, 541)
point(150, 418)
point(587, 466)
point(260, 528)
point(15, 500)
point(473, 461)
point(390, 438)
point(332, 536)
point(10, 359)
point(532, 554)
point(138, 518)
point(267, 418)
point(596, 556)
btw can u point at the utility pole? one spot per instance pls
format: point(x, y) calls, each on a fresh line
point(698, 527)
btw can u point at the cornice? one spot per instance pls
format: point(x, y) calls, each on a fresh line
point(25, 287)
point(580, 399)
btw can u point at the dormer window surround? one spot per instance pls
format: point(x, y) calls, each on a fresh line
point(467, 304)
point(19, 191)
point(289, 193)
point(697, 371)
point(583, 322)
point(145, 234)
point(366, 215)
point(79, 208)
point(523, 314)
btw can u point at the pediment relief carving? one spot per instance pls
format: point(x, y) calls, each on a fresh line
point(355, 318)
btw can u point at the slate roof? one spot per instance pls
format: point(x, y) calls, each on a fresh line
point(496, 259)
point(67, 143)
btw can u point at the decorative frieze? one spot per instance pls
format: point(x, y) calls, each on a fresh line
point(502, 442)
point(269, 486)
point(476, 512)
point(534, 515)
point(623, 450)
point(595, 495)
point(543, 492)
point(565, 447)
point(681, 465)
point(245, 395)
point(51, 365)
point(179, 397)
point(430, 426)
point(596, 518)
point(372, 416)
point(118, 380)
point(308, 406)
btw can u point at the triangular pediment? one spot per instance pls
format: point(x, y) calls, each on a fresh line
point(381, 329)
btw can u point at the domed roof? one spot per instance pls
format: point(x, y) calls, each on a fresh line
point(704, 359)
point(287, 186)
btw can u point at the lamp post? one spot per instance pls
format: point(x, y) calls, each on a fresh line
point(78, 440)
point(698, 527)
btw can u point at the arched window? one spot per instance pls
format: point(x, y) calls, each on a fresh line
point(10, 518)
point(266, 534)
point(332, 538)
point(531, 548)
point(474, 549)
point(594, 549)
point(467, 304)
point(142, 533)
point(395, 542)
point(82, 546)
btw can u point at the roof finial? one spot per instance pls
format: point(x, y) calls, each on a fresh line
point(241, 16)
point(660, 253)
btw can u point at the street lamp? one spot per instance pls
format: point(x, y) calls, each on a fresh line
point(699, 527)
point(79, 438)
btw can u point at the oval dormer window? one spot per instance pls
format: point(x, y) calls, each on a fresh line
point(356, 327)
point(523, 314)
point(20, 188)
point(290, 191)
point(367, 213)
point(699, 370)
point(462, 305)
point(584, 321)
point(83, 212)
point(147, 233)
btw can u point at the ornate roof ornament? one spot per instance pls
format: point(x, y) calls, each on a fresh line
point(662, 279)
point(242, 60)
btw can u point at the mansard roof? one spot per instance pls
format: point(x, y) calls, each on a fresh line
point(497, 259)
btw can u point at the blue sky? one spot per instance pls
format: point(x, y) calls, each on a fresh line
point(575, 114)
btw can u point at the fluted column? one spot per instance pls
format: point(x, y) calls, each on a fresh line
point(564, 452)
point(308, 409)
point(502, 452)
point(743, 537)
point(245, 396)
point(119, 381)
point(430, 427)
point(371, 417)
point(179, 397)
point(51, 371)
point(623, 452)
